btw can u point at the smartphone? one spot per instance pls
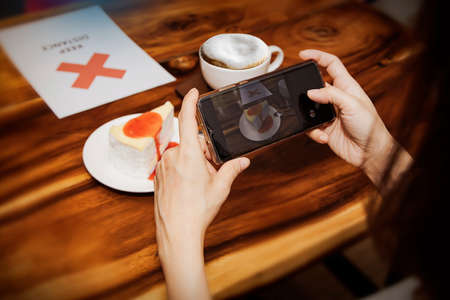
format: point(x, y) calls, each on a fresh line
point(259, 112)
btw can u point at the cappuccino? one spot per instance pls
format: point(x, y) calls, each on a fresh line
point(235, 51)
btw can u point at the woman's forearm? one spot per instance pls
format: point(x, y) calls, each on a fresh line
point(183, 266)
point(189, 192)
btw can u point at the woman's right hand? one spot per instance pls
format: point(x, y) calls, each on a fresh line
point(358, 134)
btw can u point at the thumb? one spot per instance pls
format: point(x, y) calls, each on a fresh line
point(229, 171)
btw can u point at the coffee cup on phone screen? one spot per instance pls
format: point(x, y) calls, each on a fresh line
point(233, 57)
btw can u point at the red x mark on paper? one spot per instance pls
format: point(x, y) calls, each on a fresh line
point(91, 70)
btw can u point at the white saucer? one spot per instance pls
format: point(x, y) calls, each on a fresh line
point(252, 134)
point(95, 158)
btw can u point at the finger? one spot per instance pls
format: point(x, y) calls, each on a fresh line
point(204, 147)
point(156, 204)
point(186, 117)
point(330, 94)
point(318, 135)
point(229, 171)
point(333, 64)
point(155, 179)
point(336, 69)
point(161, 165)
point(211, 169)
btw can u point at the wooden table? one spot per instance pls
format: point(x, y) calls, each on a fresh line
point(63, 235)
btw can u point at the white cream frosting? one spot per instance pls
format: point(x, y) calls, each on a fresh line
point(236, 50)
point(137, 157)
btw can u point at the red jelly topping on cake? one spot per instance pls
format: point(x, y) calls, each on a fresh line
point(171, 145)
point(254, 110)
point(266, 125)
point(147, 124)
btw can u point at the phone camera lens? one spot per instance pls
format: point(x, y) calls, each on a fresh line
point(307, 107)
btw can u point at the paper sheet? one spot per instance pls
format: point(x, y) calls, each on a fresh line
point(80, 60)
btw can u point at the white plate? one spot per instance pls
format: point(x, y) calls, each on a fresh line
point(249, 131)
point(95, 158)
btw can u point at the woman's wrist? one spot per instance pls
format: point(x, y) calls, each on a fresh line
point(181, 256)
point(188, 243)
point(182, 262)
point(377, 164)
point(377, 161)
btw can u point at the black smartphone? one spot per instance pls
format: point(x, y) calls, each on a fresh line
point(252, 114)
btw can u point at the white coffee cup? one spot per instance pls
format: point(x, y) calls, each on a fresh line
point(218, 77)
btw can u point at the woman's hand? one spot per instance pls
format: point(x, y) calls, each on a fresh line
point(188, 195)
point(358, 134)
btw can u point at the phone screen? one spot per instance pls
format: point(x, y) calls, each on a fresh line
point(263, 111)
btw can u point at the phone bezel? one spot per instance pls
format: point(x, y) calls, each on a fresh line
point(207, 96)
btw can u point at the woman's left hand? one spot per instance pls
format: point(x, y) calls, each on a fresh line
point(189, 192)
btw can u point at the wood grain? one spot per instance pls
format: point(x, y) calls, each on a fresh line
point(282, 252)
point(65, 236)
point(170, 29)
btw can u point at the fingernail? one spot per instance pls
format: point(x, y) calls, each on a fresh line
point(313, 93)
point(303, 52)
point(323, 138)
point(191, 91)
point(244, 162)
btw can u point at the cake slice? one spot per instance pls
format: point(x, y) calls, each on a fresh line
point(258, 116)
point(136, 146)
